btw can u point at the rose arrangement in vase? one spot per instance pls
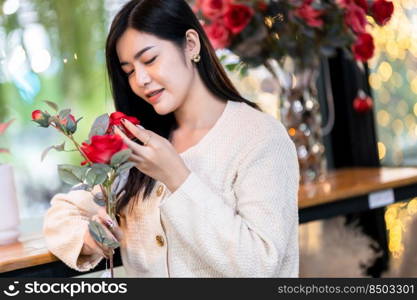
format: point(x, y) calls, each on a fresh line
point(105, 158)
point(289, 37)
point(260, 30)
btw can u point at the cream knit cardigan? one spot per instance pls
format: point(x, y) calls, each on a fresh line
point(236, 214)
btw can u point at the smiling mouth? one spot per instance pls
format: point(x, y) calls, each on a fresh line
point(155, 93)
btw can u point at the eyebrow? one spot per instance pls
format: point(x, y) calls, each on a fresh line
point(137, 55)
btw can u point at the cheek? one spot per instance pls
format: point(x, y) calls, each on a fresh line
point(133, 85)
point(176, 79)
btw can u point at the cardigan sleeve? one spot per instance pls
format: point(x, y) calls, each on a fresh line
point(64, 226)
point(257, 239)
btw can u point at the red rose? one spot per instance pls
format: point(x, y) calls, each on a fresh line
point(40, 117)
point(362, 4)
point(218, 34)
point(69, 124)
point(64, 122)
point(309, 15)
point(213, 9)
point(362, 103)
point(382, 11)
point(364, 47)
point(37, 115)
point(355, 18)
point(237, 17)
point(102, 148)
point(115, 120)
point(262, 6)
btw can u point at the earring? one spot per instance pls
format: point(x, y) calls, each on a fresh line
point(196, 58)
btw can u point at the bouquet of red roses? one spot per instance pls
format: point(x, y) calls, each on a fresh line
point(105, 157)
point(257, 30)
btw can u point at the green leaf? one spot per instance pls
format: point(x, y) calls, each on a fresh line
point(111, 243)
point(99, 234)
point(59, 148)
point(97, 231)
point(120, 157)
point(66, 173)
point(125, 167)
point(51, 104)
point(100, 126)
point(96, 176)
point(81, 187)
point(105, 168)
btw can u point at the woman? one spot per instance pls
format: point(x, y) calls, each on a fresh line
point(214, 191)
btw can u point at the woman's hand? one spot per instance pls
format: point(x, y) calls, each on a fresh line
point(157, 158)
point(91, 246)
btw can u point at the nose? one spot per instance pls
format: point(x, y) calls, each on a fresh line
point(142, 78)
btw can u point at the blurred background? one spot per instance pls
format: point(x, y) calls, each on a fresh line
point(54, 50)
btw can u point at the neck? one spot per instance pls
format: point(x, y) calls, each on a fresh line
point(200, 109)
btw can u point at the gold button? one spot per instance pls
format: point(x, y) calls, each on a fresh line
point(160, 240)
point(160, 190)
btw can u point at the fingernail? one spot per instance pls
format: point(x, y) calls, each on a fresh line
point(139, 126)
point(110, 222)
point(123, 120)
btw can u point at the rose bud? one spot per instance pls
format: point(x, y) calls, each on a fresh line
point(40, 117)
point(69, 123)
point(102, 148)
point(362, 103)
point(116, 120)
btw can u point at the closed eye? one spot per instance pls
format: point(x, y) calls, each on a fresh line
point(146, 63)
point(150, 61)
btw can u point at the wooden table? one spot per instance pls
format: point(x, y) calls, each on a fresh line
point(343, 191)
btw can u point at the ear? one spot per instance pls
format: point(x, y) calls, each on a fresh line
point(193, 45)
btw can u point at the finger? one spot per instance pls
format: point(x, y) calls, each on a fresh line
point(113, 227)
point(136, 159)
point(131, 144)
point(140, 133)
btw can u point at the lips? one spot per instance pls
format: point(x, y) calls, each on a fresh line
point(151, 94)
point(154, 96)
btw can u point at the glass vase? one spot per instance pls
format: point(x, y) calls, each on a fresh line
point(300, 114)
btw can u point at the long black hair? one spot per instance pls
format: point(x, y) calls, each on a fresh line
point(168, 20)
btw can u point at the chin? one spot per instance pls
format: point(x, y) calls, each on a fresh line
point(162, 109)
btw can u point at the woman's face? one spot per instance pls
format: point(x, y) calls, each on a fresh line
point(151, 65)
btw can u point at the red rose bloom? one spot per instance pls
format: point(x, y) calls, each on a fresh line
point(364, 47)
point(262, 6)
point(116, 120)
point(37, 115)
point(362, 4)
point(355, 18)
point(213, 9)
point(102, 148)
point(218, 34)
point(237, 17)
point(382, 11)
point(309, 15)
